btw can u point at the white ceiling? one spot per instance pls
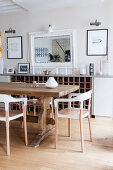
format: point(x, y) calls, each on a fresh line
point(9, 6)
point(47, 4)
point(30, 5)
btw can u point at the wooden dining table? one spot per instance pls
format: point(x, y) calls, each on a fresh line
point(44, 95)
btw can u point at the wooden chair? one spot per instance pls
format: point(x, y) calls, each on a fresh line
point(6, 116)
point(74, 113)
point(33, 102)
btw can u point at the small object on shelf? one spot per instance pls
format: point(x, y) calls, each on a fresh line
point(46, 72)
point(51, 83)
point(56, 70)
point(66, 71)
point(51, 28)
point(83, 69)
point(100, 73)
point(10, 70)
point(67, 56)
point(14, 71)
point(91, 69)
point(34, 84)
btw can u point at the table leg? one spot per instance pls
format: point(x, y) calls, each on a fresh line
point(45, 129)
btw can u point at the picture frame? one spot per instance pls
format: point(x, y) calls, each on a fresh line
point(97, 42)
point(23, 68)
point(10, 70)
point(14, 47)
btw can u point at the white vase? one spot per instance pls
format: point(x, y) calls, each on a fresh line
point(51, 83)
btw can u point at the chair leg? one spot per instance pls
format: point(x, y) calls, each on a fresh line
point(23, 120)
point(22, 124)
point(56, 126)
point(90, 128)
point(7, 134)
point(27, 112)
point(34, 109)
point(52, 107)
point(81, 133)
point(69, 127)
point(25, 126)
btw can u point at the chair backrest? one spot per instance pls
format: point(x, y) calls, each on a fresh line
point(5, 98)
point(82, 97)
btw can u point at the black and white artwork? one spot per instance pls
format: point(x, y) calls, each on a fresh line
point(23, 68)
point(14, 47)
point(97, 42)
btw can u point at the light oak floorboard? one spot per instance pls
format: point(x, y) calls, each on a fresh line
point(98, 155)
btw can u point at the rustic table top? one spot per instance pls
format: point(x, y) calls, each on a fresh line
point(41, 91)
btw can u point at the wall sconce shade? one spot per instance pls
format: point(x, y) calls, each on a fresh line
point(96, 23)
point(10, 30)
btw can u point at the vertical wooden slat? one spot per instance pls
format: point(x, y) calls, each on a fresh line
point(68, 80)
point(56, 126)
point(79, 84)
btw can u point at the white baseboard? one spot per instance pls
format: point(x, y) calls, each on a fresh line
point(104, 117)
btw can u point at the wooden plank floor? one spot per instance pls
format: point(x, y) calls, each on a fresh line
point(98, 154)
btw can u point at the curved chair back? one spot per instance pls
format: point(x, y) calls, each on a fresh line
point(4, 98)
point(83, 96)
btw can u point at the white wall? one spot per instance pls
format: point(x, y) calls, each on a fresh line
point(77, 18)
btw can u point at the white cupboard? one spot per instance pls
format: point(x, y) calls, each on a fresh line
point(103, 97)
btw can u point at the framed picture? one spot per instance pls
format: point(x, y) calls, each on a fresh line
point(97, 42)
point(14, 47)
point(23, 68)
point(10, 70)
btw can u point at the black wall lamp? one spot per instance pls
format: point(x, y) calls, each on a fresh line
point(96, 23)
point(10, 30)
